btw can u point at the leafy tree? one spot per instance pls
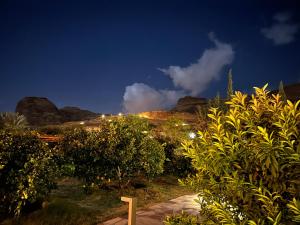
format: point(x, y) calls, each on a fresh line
point(122, 149)
point(217, 101)
point(10, 120)
point(229, 85)
point(26, 170)
point(248, 162)
point(282, 92)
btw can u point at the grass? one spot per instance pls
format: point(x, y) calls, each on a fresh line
point(69, 205)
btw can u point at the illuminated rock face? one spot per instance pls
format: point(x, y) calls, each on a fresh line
point(189, 104)
point(41, 111)
point(156, 115)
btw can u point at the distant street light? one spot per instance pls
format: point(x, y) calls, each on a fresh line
point(120, 114)
point(81, 123)
point(102, 116)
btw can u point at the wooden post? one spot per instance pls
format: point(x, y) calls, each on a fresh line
point(131, 210)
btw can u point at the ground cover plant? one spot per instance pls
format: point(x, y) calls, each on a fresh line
point(248, 162)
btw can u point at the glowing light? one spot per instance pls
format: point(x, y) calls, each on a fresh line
point(81, 123)
point(192, 135)
point(109, 120)
point(184, 124)
point(120, 114)
point(144, 132)
point(102, 116)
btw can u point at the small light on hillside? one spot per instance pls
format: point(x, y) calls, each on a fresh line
point(102, 116)
point(81, 123)
point(109, 120)
point(120, 114)
point(144, 132)
point(192, 135)
point(184, 124)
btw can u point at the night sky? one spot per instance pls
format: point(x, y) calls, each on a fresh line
point(111, 56)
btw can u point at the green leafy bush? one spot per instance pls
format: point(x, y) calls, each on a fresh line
point(182, 219)
point(248, 161)
point(26, 171)
point(122, 149)
point(171, 134)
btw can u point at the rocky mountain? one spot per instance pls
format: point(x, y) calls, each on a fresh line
point(76, 114)
point(189, 104)
point(41, 111)
point(292, 92)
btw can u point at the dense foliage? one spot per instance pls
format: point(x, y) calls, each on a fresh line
point(171, 134)
point(11, 120)
point(122, 149)
point(26, 170)
point(248, 162)
point(181, 219)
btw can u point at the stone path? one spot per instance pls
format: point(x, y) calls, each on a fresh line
point(155, 214)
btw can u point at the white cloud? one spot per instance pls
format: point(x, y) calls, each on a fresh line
point(282, 31)
point(196, 77)
point(139, 97)
point(193, 79)
point(282, 17)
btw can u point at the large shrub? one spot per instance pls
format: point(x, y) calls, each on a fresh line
point(248, 162)
point(171, 133)
point(26, 170)
point(122, 149)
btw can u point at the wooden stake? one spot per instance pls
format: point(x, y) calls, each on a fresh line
point(131, 210)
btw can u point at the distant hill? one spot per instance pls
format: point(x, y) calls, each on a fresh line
point(76, 114)
point(41, 111)
point(189, 104)
point(292, 91)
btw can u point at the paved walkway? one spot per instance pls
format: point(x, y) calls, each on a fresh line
point(155, 214)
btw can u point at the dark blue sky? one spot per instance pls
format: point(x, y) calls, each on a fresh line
point(85, 53)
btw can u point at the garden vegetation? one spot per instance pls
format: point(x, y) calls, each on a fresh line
point(248, 162)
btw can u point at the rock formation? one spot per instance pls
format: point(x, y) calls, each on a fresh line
point(41, 111)
point(292, 92)
point(189, 104)
point(76, 114)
